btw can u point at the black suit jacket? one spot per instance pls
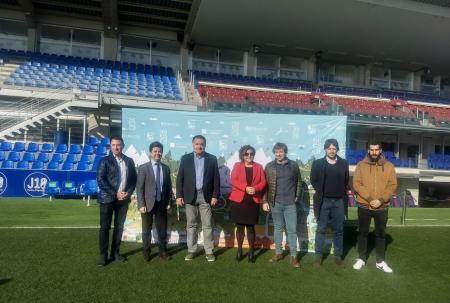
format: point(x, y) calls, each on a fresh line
point(108, 178)
point(186, 179)
point(317, 178)
point(146, 187)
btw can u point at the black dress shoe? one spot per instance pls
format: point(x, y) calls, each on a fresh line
point(239, 255)
point(102, 261)
point(165, 256)
point(119, 258)
point(251, 257)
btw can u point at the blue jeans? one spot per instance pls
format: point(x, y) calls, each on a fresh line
point(332, 211)
point(285, 215)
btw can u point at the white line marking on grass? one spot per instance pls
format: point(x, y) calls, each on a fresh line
point(48, 227)
point(420, 225)
point(430, 219)
point(410, 219)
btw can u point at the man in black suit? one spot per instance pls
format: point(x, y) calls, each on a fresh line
point(116, 178)
point(198, 185)
point(154, 193)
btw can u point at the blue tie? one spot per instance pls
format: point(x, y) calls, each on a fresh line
point(158, 182)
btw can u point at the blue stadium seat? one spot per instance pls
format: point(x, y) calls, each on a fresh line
point(57, 158)
point(52, 188)
point(5, 146)
point(53, 165)
point(75, 149)
point(14, 156)
point(8, 164)
point(83, 166)
point(43, 157)
point(96, 162)
point(32, 147)
point(29, 157)
point(89, 187)
point(72, 158)
point(61, 148)
point(101, 151)
point(38, 165)
point(86, 159)
point(47, 148)
point(22, 164)
point(2, 155)
point(67, 166)
point(88, 149)
point(69, 188)
point(105, 142)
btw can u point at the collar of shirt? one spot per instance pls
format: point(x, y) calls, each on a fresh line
point(331, 161)
point(155, 162)
point(202, 155)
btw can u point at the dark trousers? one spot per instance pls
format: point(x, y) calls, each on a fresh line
point(332, 211)
point(119, 209)
point(159, 213)
point(380, 218)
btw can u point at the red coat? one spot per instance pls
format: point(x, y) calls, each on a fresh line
point(239, 182)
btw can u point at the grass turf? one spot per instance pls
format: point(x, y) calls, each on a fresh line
point(59, 265)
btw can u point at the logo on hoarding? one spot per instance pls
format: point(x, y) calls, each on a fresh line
point(3, 183)
point(35, 183)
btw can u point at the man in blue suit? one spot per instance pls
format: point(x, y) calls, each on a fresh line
point(198, 186)
point(116, 178)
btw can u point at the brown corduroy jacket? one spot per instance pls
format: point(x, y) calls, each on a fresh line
point(374, 180)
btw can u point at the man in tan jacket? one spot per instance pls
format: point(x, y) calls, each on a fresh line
point(374, 182)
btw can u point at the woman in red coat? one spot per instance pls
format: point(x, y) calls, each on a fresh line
point(248, 182)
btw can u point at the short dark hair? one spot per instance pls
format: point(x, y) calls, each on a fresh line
point(199, 137)
point(155, 144)
point(245, 148)
point(374, 142)
point(116, 138)
point(329, 142)
point(280, 145)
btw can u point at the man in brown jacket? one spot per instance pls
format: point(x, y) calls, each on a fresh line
point(374, 182)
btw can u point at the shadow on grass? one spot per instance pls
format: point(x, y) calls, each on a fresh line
point(4, 280)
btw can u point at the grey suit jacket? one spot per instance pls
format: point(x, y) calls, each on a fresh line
point(146, 187)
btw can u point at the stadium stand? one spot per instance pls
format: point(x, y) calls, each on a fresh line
point(113, 77)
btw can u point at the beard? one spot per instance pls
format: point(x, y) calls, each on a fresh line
point(374, 159)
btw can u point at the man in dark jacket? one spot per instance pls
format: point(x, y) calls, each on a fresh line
point(198, 188)
point(329, 177)
point(116, 178)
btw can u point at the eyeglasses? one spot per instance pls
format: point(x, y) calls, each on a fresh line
point(248, 154)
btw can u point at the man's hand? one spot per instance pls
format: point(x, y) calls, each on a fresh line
point(375, 204)
point(266, 207)
point(214, 201)
point(143, 210)
point(180, 201)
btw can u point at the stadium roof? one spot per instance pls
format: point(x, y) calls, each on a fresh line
point(408, 34)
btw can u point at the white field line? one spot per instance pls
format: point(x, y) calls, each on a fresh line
point(49, 227)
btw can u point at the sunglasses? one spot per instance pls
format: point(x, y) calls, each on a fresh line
point(248, 154)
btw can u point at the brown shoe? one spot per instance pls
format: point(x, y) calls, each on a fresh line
point(294, 262)
point(146, 257)
point(276, 258)
point(165, 256)
point(338, 261)
point(317, 261)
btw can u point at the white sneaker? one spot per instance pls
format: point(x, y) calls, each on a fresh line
point(359, 264)
point(384, 267)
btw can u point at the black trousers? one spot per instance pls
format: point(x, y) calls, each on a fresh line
point(380, 218)
point(159, 214)
point(119, 209)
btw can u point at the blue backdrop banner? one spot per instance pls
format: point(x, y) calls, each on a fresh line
point(31, 183)
point(227, 132)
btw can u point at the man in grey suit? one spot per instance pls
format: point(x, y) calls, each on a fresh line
point(154, 193)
